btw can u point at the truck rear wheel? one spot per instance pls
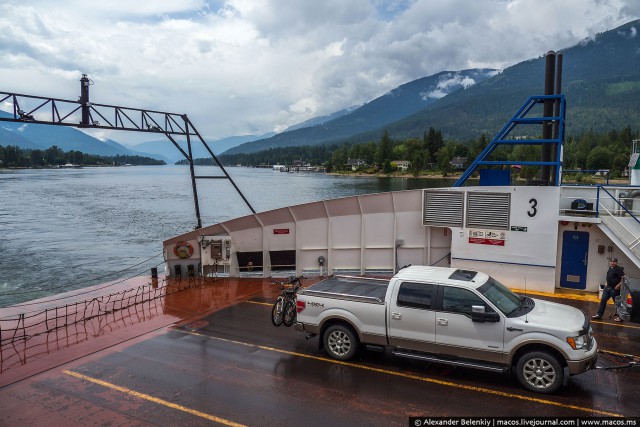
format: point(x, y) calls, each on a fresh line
point(340, 342)
point(540, 371)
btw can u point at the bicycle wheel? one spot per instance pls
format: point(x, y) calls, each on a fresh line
point(277, 312)
point(289, 312)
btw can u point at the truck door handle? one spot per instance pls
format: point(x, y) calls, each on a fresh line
point(443, 322)
point(511, 328)
point(396, 316)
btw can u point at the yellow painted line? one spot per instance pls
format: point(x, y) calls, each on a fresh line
point(154, 399)
point(577, 297)
point(620, 354)
point(260, 303)
point(620, 324)
point(416, 377)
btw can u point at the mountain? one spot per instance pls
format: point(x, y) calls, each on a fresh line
point(168, 151)
point(8, 137)
point(321, 119)
point(601, 83)
point(394, 105)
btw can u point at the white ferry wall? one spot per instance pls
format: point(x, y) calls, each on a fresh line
point(377, 233)
point(528, 257)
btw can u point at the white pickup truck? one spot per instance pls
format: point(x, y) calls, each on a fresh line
point(453, 316)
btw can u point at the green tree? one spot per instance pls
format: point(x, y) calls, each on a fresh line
point(434, 142)
point(386, 167)
point(54, 156)
point(384, 150)
point(444, 161)
point(37, 158)
point(527, 153)
point(11, 155)
point(600, 158)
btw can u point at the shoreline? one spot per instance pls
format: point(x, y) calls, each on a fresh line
point(455, 176)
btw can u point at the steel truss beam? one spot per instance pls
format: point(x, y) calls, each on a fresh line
point(84, 114)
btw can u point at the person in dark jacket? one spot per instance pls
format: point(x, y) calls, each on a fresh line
point(615, 275)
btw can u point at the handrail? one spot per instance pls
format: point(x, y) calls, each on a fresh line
point(600, 186)
point(636, 239)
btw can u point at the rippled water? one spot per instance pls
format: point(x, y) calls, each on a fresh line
point(63, 229)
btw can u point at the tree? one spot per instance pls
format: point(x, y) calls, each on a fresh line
point(54, 156)
point(415, 154)
point(434, 142)
point(37, 158)
point(527, 153)
point(600, 158)
point(477, 146)
point(11, 155)
point(384, 150)
point(386, 167)
point(444, 161)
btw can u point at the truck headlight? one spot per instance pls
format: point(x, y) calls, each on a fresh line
point(578, 342)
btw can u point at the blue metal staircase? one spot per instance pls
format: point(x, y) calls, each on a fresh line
point(503, 137)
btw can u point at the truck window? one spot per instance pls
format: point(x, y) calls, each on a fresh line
point(416, 295)
point(500, 296)
point(456, 300)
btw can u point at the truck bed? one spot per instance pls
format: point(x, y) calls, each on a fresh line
point(348, 287)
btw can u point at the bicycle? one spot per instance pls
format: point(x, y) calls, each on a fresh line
point(284, 309)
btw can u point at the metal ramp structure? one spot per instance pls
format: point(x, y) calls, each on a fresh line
point(83, 114)
point(505, 137)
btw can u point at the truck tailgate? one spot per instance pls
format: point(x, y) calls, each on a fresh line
point(357, 301)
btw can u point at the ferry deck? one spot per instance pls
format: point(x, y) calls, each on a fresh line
point(209, 355)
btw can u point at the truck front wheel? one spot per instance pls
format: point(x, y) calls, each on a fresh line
point(539, 371)
point(340, 342)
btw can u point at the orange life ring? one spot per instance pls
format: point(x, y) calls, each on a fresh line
point(183, 250)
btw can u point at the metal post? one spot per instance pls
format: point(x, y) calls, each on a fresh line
point(547, 130)
point(556, 113)
point(84, 99)
point(193, 175)
point(219, 164)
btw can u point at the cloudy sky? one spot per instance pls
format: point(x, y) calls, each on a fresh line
point(255, 66)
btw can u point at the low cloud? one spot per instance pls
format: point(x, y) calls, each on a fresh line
point(446, 84)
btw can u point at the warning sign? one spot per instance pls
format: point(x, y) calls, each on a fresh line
point(487, 237)
point(483, 241)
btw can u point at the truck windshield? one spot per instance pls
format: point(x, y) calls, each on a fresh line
point(500, 296)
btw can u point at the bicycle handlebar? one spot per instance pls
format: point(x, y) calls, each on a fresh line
point(290, 281)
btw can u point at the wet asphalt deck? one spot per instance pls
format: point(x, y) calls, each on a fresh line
point(210, 356)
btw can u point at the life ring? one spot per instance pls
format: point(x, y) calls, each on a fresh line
point(183, 250)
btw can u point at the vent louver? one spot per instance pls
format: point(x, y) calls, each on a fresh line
point(488, 210)
point(442, 208)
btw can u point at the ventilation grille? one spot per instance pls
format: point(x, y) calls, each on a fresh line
point(442, 208)
point(488, 210)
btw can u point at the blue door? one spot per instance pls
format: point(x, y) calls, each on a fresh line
point(575, 256)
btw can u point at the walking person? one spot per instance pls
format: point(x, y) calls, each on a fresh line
point(615, 275)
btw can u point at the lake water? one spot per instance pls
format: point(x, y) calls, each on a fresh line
point(64, 229)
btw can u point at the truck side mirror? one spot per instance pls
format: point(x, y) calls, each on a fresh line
point(479, 314)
